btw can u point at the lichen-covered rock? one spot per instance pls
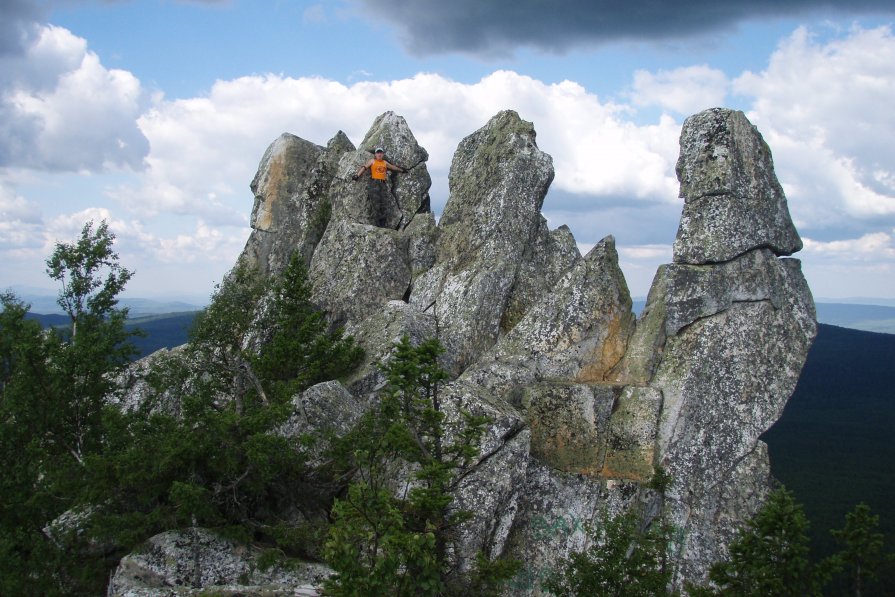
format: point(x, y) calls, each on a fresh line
point(724, 380)
point(577, 332)
point(323, 411)
point(549, 255)
point(713, 521)
point(498, 181)
point(377, 336)
point(569, 424)
point(196, 561)
point(631, 437)
point(408, 192)
point(732, 199)
point(357, 268)
point(490, 488)
point(292, 203)
point(422, 232)
point(553, 514)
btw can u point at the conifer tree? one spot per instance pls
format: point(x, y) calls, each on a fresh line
point(389, 539)
point(862, 554)
point(770, 555)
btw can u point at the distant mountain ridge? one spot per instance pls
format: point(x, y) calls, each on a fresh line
point(165, 330)
point(138, 307)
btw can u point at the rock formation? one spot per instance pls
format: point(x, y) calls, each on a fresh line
point(584, 399)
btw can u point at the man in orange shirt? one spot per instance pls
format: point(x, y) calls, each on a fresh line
point(377, 189)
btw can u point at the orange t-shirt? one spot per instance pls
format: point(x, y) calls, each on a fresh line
point(378, 169)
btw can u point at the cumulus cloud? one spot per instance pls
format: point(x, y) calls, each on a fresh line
point(17, 21)
point(868, 247)
point(62, 110)
point(685, 90)
point(206, 149)
point(819, 106)
point(499, 27)
point(21, 221)
point(866, 262)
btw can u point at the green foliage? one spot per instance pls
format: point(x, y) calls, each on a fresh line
point(301, 351)
point(660, 481)
point(624, 560)
point(86, 297)
point(86, 480)
point(55, 384)
point(862, 554)
point(390, 540)
point(770, 555)
point(218, 460)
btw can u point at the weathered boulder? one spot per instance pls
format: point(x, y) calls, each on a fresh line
point(489, 488)
point(553, 513)
point(408, 192)
point(377, 336)
point(732, 199)
point(498, 180)
point(196, 562)
point(569, 423)
point(357, 268)
point(724, 380)
point(578, 331)
point(292, 203)
point(549, 255)
point(321, 412)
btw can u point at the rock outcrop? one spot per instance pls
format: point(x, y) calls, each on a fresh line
point(584, 400)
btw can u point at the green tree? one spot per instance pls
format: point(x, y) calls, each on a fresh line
point(862, 554)
point(211, 424)
point(54, 386)
point(389, 540)
point(770, 555)
point(625, 559)
point(300, 350)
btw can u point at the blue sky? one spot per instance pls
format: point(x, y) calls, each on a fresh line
point(154, 115)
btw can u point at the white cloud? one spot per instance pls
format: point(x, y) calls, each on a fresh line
point(61, 109)
point(824, 108)
point(685, 90)
point(662, 253)
point(209, 146)
point(20, 221)
point(869, 247)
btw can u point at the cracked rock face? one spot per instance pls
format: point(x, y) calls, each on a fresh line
point(498, 181)
point(732, 199)
point(583, 400)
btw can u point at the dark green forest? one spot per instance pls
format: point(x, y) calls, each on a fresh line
point(833, 445)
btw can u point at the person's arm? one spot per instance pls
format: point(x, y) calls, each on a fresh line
point(362, 169)
point(395, 168)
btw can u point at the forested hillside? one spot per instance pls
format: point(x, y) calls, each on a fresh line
point(833, 445)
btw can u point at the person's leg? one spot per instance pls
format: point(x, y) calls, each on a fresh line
point(380, 191)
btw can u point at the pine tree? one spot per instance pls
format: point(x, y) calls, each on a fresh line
point(770, 555)
point(390, 540)
point(862, 553)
